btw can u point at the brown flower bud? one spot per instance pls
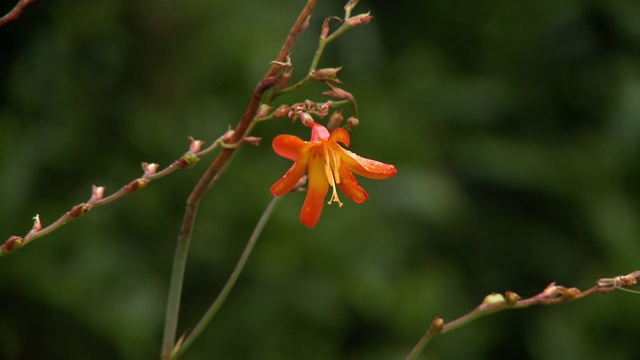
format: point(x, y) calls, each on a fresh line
point(78, 210)
point(194, 147)
point(281, 111)
point(327, 74)
point(511, 298)
point(325, 28)
point(335, 120)
point(252, 140)
point(352, 123)
point(136, 185)
point(263, 110)
point(97, 192)
point(338, 93)
point(358, 20)
point(13, 243)
point(37, 224)
point(436, 326)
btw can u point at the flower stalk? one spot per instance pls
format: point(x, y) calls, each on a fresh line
point(551, 295)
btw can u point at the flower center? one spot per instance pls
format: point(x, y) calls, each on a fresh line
point(333, 176)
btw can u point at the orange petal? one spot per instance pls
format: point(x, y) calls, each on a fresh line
point(349, 186)
point(291, 178)
point(317, 187)
point(366, 167)
point(340, 135)
point(289, 146)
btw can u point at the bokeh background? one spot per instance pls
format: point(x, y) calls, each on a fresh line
point(514, 125)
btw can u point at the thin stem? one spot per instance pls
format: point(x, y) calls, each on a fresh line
point(551, 295)
point(98, 199)
point(222, 296)
point(213, 174)
point(15, 12)
point(322, 44)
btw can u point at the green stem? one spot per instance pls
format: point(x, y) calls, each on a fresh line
point(322, 44)
point(222, 296)
point(173, 301)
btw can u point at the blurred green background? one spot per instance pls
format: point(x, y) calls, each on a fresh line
point(514, 125)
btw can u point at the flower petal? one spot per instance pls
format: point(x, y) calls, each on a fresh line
point(289, 146)
point(340, 135)
point(318, 132)
point(366, 167)
point(317, 187)
point(291, 178)
point(349, 186)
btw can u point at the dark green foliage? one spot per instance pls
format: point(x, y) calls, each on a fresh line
point(514, 125)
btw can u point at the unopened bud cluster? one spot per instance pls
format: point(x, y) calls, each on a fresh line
point(301, 110)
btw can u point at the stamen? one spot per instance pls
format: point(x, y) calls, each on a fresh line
point(330, 177)
point(336, 166)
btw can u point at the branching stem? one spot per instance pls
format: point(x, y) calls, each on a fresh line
point(551, 295)
point(213, 174)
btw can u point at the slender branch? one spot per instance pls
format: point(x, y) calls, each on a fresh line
point(222, 296)
point(212, 175)
point(325, 39)
point(15, 12)
point(151, 173)
point(551, 295)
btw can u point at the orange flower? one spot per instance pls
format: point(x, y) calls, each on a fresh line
point(328, 164)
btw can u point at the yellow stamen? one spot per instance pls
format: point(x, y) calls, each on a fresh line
point(336, 166)
point(330, 176)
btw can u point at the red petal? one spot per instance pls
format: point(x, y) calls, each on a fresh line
point(366, 167)
point(289, 146)
point(316, 191)
point(291, 178)
point(318, 132)
point(349, 186)
point(340, 135)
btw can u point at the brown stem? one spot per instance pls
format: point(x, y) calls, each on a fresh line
point(552, 294)
point(15, 12)
point(212, 175)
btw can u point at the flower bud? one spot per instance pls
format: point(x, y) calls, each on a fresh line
point(338, 93)
point(194, 147)
point(97, 192)
point(335, 120)
point(352, 123)
point(263, 110)
point(78, 210)
point(13, 243)
point(358, 20)
point(326, 74)
point(325, 28)
point(436, 326)
point(37, 224)
point(551, 291)
point(511, 298)
point(281, 111)
point(305, 118)
point(252, 140)
point(492, 299)
point(136, 185)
